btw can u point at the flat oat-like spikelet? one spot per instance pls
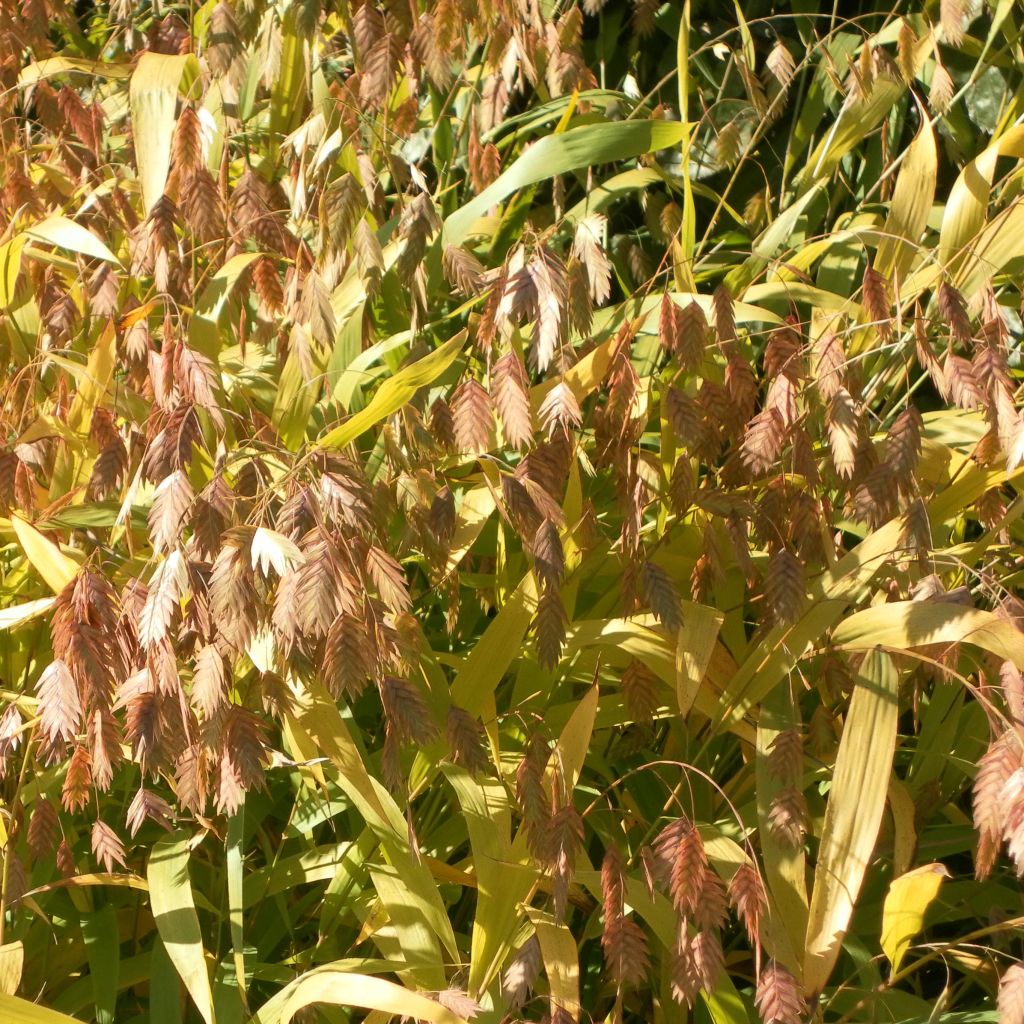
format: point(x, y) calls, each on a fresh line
point(844, 429)
point(389, 579)
point(147, 805)
point(77, 788)
point(472, 412)
point(550, 626)
point(462, 269)
point(380, 68)
point(741, 387)
point(510, 391)
point(748, 899)
point(951, 13)
point(547, 275)
point(60, 708)
point(954, 313)
point(588, 246)
point(906, 46)
point(660, 591)
point(267, 282)
point(711, 911)
point(762, 442)
point(640, 691)
point(107, 847)
point(960, 382)
point(467, 741)
point(187, 152)
point(876, 298)
point(1011, 798)
point(531, 793)
point(166, 587)
point(103, 735)
point(784, 587)
point(549, 558)
point(171, 503)
point(709, 958)
point(520, 507)
point(233, 598)
point(828, 365)
point(562, 839)
point(43, 828)
point(347, 667)
point(209, 681)
point(560, 411)
point(724, 316)
point(522, 971)
point(689, 866)
point(1010, 1001)
point(781, 65)
point(429, 50)
point(787, 817)
point(778, 996)
point(484, 160)
point(786, 756)
point(685, 977)
point(903, 445)
point(623, 941)
point(407, 711)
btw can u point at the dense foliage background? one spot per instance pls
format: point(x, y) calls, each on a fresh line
point(511, 510)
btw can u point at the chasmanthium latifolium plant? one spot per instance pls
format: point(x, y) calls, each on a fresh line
point(511, 511)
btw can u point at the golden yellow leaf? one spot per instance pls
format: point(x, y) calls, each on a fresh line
point(908, 898)
point(46, 558)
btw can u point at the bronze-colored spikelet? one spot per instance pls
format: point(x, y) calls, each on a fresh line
point(778, 996)
point(877, 301)
point(748, 899)
point(625, 947)
point(1010, 1001)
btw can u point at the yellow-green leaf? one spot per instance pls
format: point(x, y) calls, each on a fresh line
point(98, 374)
point(395, 392)
point(856, 120)
point(290, 88)
point(12, 959)
point(492, 654)
point(66, 234)
point(46, 558)
point(853, 815)
point(561, 962)
point(911, 204)
point(475, 509)
point(968, 203)
point(558, 154)
point(503, 881)
point(61, 65)
point(328, 730)
point(363, 991)
point(908, 898)
point(694, 648)
point(170, 894)
point(204, 332)
point(153, 95)
point(903, 625)
point(10, 265)
point(20, 1011)
point(1000, 240)
point(785, 866)
point(19, 613)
